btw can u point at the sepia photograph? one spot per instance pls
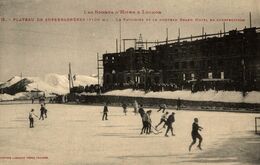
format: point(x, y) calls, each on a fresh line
point(120, 82)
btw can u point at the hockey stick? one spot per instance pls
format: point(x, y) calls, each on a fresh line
point(160, 129)
point(157, 132)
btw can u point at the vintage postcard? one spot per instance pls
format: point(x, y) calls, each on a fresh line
point(129, 82)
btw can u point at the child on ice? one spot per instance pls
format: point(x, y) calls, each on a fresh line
point(31, 118)
point(105, 111)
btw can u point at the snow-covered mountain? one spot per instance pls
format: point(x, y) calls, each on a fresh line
point(10, 82)
point(50, 83)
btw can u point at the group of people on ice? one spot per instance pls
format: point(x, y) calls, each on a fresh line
point(166, 119)
point(147, 122)
point(32, 115)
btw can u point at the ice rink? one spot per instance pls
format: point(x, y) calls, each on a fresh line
point(75, 135)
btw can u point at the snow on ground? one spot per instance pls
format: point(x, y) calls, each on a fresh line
point(75, 135)
point(6, 97)
point(211, 95)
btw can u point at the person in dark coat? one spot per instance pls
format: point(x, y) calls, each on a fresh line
point(105, 111)
point(143, 117)
point(149, 122)
point(179, 104)
point(195, 134)
point(169, 122)
point(124, 105)
point(162, 107)
point(42, 111)
point(45, 110)
point(141, 110)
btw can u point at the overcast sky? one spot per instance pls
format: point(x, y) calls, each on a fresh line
point(37, 48)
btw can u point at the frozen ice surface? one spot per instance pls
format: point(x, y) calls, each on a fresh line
point(75, 135)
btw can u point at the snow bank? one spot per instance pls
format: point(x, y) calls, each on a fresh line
point(18, 96)
point(5, 97)
point(211, 95)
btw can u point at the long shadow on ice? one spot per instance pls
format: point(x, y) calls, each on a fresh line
point(244, 150)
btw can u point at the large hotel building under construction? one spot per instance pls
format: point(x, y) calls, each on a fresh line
point(222, 61)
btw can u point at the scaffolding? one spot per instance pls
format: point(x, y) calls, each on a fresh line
point(99, 69)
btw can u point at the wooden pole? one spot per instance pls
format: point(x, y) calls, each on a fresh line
point(224, 28)
point(116, 45)
point(250, 20)
point(202, 32)
point(120, 36)
point(98, 67)
point(69, 77)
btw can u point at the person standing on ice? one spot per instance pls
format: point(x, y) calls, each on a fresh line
point(31, 118)
point(105, 111)
point(169, 122)
point(135, 107)
point(145, 120)
point(163, 120)
point(141, 111)
point(179, 104)
point(45, 110)
point(124, 108)
point(162, 107)
point(149, 122)
point(42, 110)
point(195, 133)
point(142, 114)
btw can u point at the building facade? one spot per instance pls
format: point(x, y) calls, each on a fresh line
point(224, 61)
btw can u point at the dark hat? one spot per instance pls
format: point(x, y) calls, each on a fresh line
point(173, 112)
point(149, 111)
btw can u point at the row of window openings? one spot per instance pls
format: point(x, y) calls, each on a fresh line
point(210, 76)
point(192, 64)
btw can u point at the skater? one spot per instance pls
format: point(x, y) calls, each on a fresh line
point(105, 111)
point(163, 120)
point(45, 110)
point(148, 125)
point(146, 122)
point(32, 100)
point(141, 111)
point(124, 105)
point(42, 110)
point(162, 107)
point(195, 133)
point(142, 114)
point(179, 104)
point(31, 119)
point(135, 107)
point(169, 122)
point(149, 122)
